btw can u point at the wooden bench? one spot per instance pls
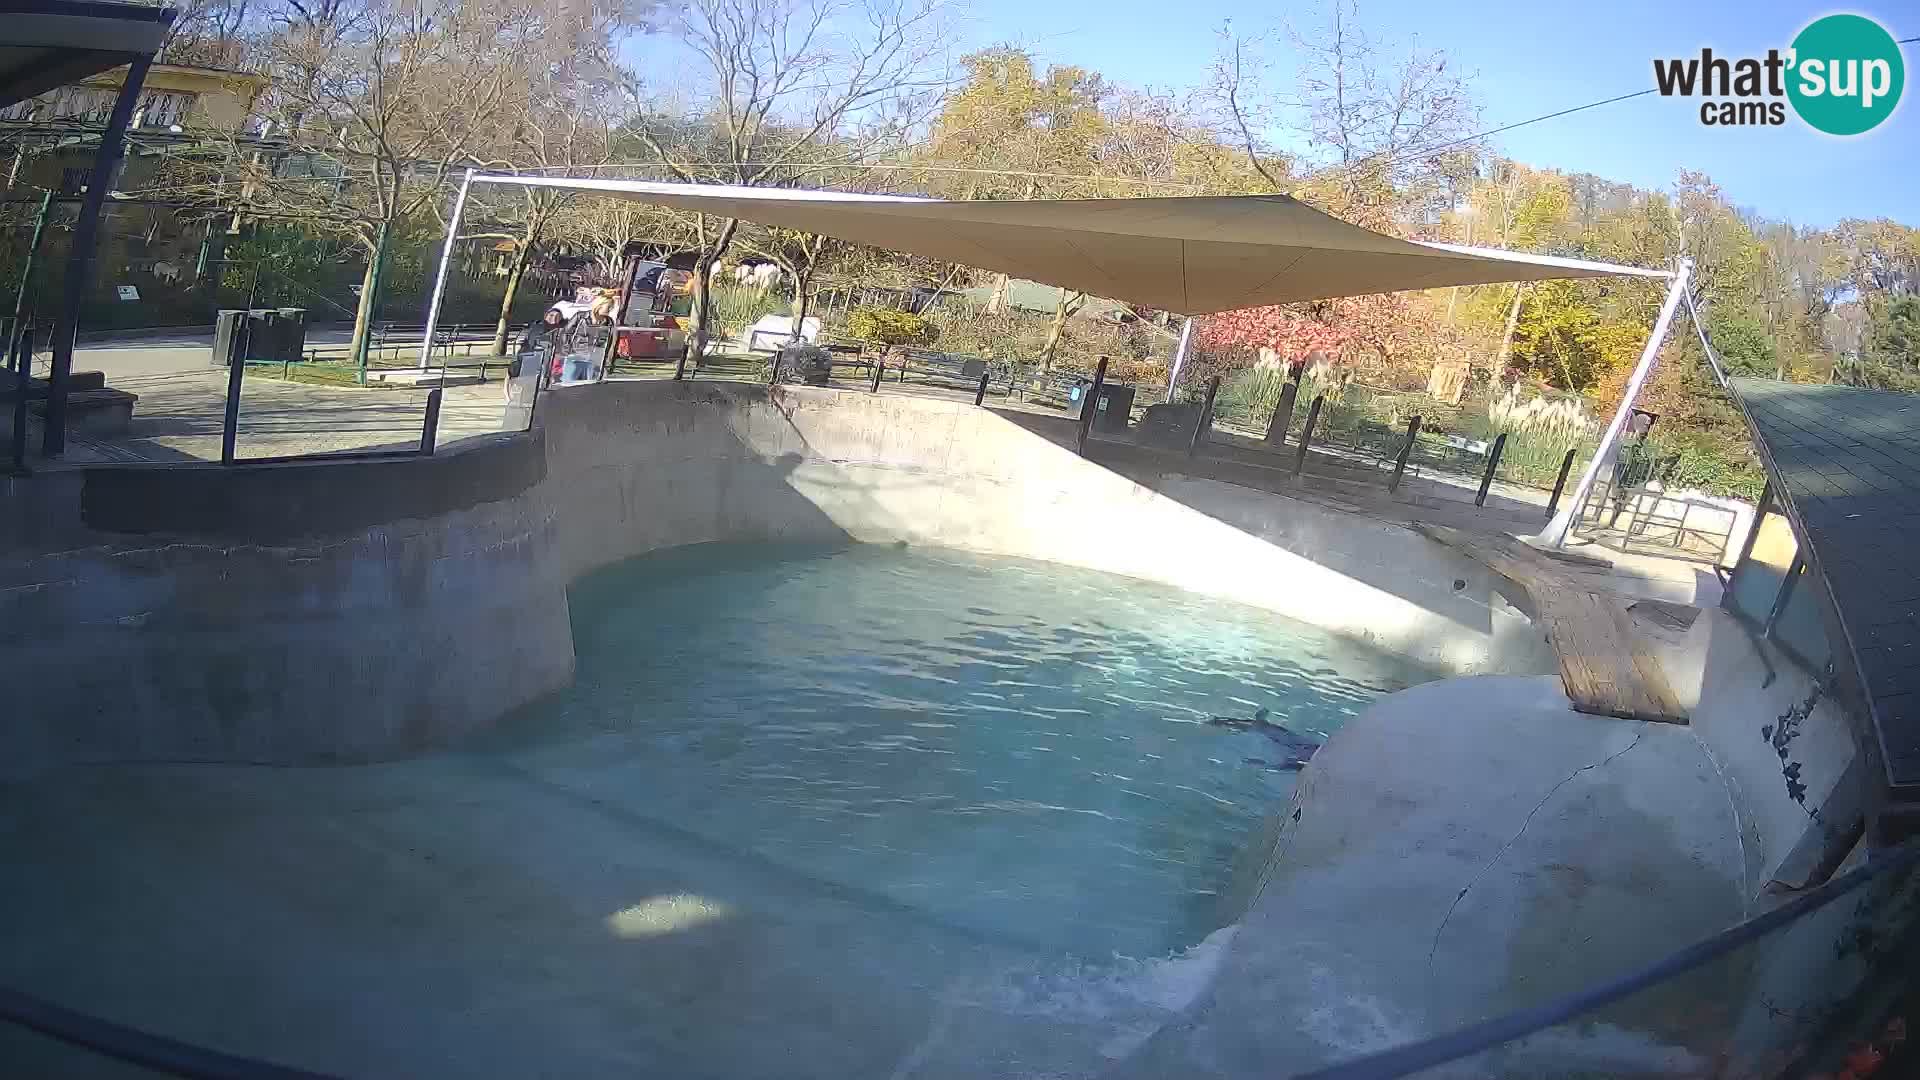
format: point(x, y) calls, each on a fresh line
point(955, 369)
point(1050, 388)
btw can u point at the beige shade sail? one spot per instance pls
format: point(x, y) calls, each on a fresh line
point(1192, 256)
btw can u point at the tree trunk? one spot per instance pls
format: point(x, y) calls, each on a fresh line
point(370, 284)
point(361, 312)
point(997, 299)
point(1506, 339)
point(801, 300)
point(702, 313)
point(514, 274)
point(1061, 309)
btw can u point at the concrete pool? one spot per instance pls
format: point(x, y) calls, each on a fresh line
point(466, 887)
point(920, 812)
point(1016, 750)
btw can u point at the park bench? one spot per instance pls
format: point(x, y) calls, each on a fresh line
point(1052, 388)
point(953, 369)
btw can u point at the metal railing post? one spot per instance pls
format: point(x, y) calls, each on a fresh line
point(20, 362)
point(430, 428)
point(1204, 422)
point(1306, 433)
point(1400, 462)
point(1493, 465)
point(236, 371)
point(879, 369)
point(1780, 598)
point(980, 392)
point(1090, 406)
point(1282, 414)
point(1560, 484)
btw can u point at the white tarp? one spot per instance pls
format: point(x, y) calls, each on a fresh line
point(1192, 256)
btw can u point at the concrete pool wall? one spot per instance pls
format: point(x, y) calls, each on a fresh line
point(363, 610)
point(1467, 846)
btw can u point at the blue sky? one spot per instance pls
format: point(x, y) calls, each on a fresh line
point(1530, 58)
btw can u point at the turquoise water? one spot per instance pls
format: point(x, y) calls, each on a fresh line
point(1013, 749)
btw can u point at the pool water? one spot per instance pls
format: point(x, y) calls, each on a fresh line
point(1017, 751)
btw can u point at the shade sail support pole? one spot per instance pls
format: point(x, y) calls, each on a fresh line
point(440, 278)
point(1603, 458)
point(81, 254)
point(1179, 357)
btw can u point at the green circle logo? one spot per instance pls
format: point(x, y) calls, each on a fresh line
point(1846, 74)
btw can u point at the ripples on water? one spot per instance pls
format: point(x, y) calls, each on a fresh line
point(1015, 749)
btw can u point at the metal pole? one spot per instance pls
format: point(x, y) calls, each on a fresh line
point(430, 428)
point(33, 249)
point(1557, 529)
point(1306, 433)
point(1785, 594)
point(21, 362)
point(1179, 356)
point(236, 371)
point(440, 278)
point(1204, 422)
point(1560, 484)
point(1753, 527)
point(1282, 414)
point(1713, 361)
point(980, 392)
point(612, 355)
point(1400, 462)
point(879, 369)
point(1493, 465)
point(1089, 406)
point(86, 234)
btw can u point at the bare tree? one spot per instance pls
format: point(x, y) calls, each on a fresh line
point(1377, 116)
point(369, 114)
point(1066, 305)
point(798, 86)
point(567, 119)
point(1241, 104)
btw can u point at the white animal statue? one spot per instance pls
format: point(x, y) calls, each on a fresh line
point(166, 272)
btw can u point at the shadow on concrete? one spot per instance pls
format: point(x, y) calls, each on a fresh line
point(1328, 483)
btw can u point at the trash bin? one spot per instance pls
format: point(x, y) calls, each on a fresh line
point(228, 328)
point(809, 364)
point(291, 342)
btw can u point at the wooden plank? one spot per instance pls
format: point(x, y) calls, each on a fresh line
point(1657, 700)
point(1605, 667)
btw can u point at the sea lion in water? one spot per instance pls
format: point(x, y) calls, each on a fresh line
point(1298, 748)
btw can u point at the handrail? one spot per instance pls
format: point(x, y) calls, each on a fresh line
point(198, 1063)
point(137, 1047)
point(1427, 1053)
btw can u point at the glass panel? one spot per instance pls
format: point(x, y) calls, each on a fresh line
point(1756, 581)
point(1800, 627)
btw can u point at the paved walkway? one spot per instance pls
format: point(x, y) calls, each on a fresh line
point(183, 402)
